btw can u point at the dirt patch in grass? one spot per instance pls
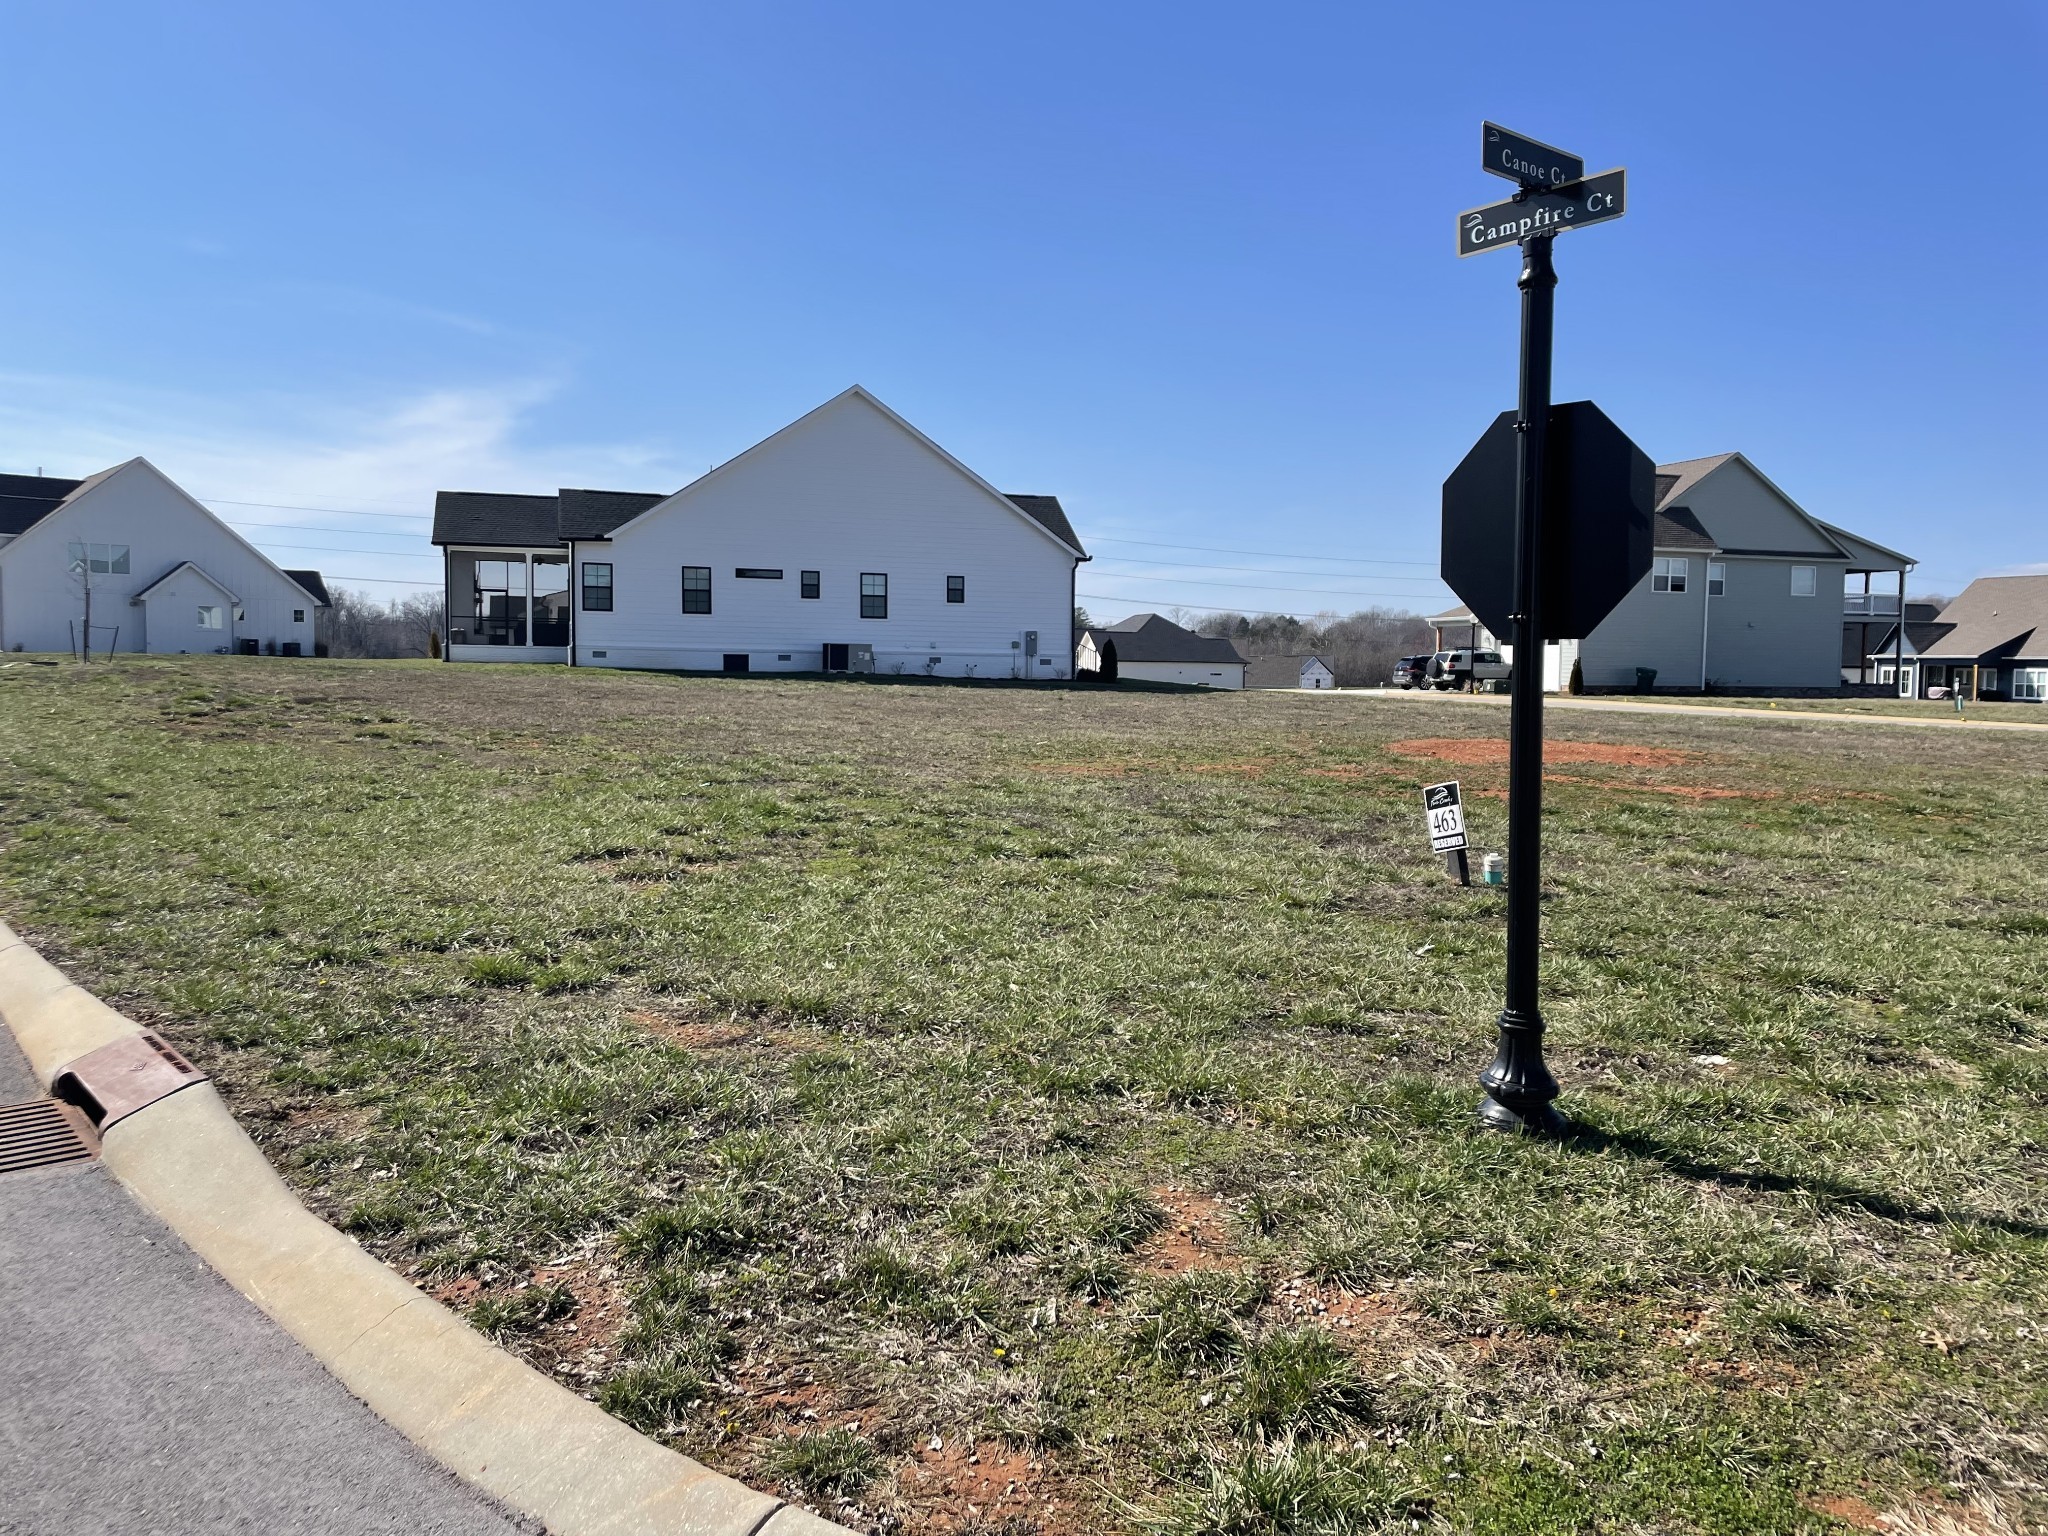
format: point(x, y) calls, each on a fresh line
point(691, 1034)
point(1490, 751)
point(1352, 1317)
point(1194, 1235)
point(986, 1486)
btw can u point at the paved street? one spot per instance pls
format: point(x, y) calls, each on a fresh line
point(142, 1394)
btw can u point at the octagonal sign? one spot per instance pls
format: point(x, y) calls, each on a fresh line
point(1599, 495)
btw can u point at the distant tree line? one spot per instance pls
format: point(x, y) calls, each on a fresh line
point(358, 625)
point(1361, 648)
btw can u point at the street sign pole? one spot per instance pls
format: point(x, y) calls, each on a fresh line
point(1519, 1087)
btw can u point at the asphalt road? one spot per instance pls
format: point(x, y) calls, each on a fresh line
point(140, 1393)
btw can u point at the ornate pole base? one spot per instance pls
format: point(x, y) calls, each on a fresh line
point(1519, 1087)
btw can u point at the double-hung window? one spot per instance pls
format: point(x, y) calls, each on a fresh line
point(2030, 683)
point(1803, 583)
point(874, 594)
point(956, 589)
point(597, 586)
point(696, 589)
point(1717, 578)
point(1669, 573)
point(807, 584)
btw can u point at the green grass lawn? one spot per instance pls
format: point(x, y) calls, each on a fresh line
point(1000, 1110)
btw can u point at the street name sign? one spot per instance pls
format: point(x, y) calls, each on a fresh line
point(1528, 161)
point(1444, 809)
point(1599, 492)
point(1543, 212)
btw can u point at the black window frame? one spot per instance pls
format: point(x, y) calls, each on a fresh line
point(703, 592)
point(956, 589)
point(879, 599)
point(586, 587)
point(756, 573)
point(807, 584)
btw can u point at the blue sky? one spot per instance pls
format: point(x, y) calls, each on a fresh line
point(1189, 267)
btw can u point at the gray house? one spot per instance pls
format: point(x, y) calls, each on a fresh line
point(1746, 590)
point(1991, 643)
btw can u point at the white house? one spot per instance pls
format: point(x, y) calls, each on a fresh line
point(157, 571)
point(1288, 672)
point(1147, 648)
point(848, 541)
point(1746, 590)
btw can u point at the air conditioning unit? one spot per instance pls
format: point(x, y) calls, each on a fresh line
point(849, 658)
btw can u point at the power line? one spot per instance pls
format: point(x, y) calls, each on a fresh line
point(342, 549)
point(1246, 586)
point(278, 506)
point(240, 522)
point(1266, 554)
point(388, 581)
point(1104, 597)
point(1242, 570)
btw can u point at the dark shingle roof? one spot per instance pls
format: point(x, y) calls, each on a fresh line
point(486, 517)
point(26, 500)
point(315, 587)
point(1276, 671)
point(1049, 514)
point(1677, 528)
point(1995, 617)
point(594, 514)
point(1148, 637)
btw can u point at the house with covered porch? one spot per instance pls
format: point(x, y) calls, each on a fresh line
point(1990, 642)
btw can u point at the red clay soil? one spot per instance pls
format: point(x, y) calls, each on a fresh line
point(1488, 751)
point(1848, 1509)
point(1193, 1237)
point(981, 1486)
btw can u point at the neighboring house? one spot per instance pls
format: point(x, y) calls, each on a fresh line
point(159, 572)
point(848, 541)
point(1991, 642)
point(1288, 672)
point(1746, 590)
point(1150, 649)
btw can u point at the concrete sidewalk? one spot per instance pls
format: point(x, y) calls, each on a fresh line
point(1642, 707)
point(142, 1393)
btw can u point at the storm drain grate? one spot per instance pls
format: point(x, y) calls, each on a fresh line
point(42, 1133)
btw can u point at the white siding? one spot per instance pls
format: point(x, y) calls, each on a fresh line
point(1197, 674)
point(137, 505)
point(845, 491)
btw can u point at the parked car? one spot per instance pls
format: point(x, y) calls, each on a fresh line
point(1412, 672)
point(1460, 669)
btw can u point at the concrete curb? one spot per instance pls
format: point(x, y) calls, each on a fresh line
point(493, 1420)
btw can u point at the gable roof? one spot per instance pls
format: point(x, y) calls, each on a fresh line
point(489, 517)
point(1148, 637)
point(26, 500)
point(1674, 480)
point(1278, 671)
point(1920, 634)
point(1047, 520)
point(316, 587)
point(1677, 528)
point(196, 569)
point(1996, 617)
point(1047, 512)
point(594, 514)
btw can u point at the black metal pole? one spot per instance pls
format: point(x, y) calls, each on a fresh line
point(1519, 1087)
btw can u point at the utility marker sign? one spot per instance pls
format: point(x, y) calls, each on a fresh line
point(1444, 809)
point(1592, 201)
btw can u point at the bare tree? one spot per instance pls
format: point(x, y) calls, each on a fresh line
point(358, 625)
point(1361, 648)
